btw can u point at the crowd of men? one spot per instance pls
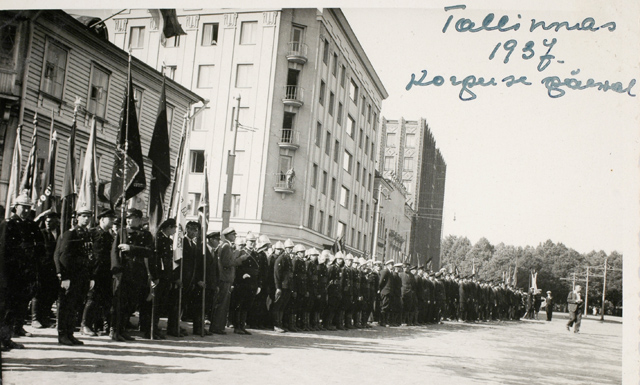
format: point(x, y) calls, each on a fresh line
point(101, 276)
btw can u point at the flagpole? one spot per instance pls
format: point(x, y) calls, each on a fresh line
point(205, 219)
point(34, 180)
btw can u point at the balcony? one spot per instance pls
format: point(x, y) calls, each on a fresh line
point(293, 96)
point(289, 139)
point(284, 183)
point(297, 52)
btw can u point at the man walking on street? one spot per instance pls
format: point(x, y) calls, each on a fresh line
point(576, 306)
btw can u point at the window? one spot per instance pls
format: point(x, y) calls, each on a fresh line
point(325, 53)
point(351, 125)
point(98, 92)
point(137, 97)
point(358, 172)
point(334, 69)
point(319, 134)
point(324, 182)
point(333, 189)
point(353, 92)
point(342, 227)
point(197, 161)
point(248, 31)
point(364, 177)
point(331, 103)
point(310, 217)
point(372, 150)
point(388, 163)
point(314, 176)
point(136, 38)
point(355, 204)
point(320, 221)
point(287, 127)
point(370, 182)
point(360, 139)
point(410, 140)
point(170, 72)
point(194, 202)
point(391, 139)
point(353, 236)
point(408, 163)
point(284, 165)
point(369, 113)
point(235, 205)
point(364, 244)
point(336, 151)
point(347, 162)
point(205, 76)
point(366, 218)
point(408, 185)
point(327, 144)
point(366, 146)
point(339, 118)
point(297, 35)
point(375, 121)
point(55, 68)
point(209, 34)
point(330, 226)
point(343, 75)
point(197, 121)
point(172, 42)
point(361, 208)
point(244, 76)
point(344, 197)
point(321, 97)
point(8, 34)
point(362, 105)
point(359, 237)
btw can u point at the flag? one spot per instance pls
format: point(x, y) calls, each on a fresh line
point(203, 209)
point(180, 206)
point(14, 178)
point(28, 184)
point(69, 184)
point(46, 201)
point(128, 132)
point(160, 155)
point(171, 26)
point(515, 275)
point(338, 245)
point(87, 193)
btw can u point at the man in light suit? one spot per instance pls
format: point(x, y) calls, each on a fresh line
point(576, 306)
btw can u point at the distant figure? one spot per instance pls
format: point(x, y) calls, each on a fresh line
point(576, 305)
point(537, 302)
point(289, 177)
point(549, 306)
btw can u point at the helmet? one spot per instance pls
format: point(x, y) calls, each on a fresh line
point(312, 251)
point(251, 236)
point(240, 241)
point(326, 254)
point(263, 240)
point(348, 257)
point(321, 259)
point(288, 243)
point(362, 261)
point(339, 255)
point(296, 248)
point(278, 245)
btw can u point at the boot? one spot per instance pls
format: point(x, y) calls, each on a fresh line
point(328, 321)
point(316, 317)
point(340, 325)
point(357, 322)
point(307, 326)
point(243, 322)
point(348, 321)
point(292, 323)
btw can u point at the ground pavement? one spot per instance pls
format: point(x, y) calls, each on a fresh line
point(532, 352)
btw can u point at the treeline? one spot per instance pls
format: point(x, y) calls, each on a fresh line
point(552, 262)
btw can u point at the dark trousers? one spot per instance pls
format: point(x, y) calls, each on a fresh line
point(575, 318)
point(192, 306)
point(18, 295)
point(45, 296)
point(129, 295)
point(221, 307)
point(279, 306)
point(69, 303)
point(549, 314)
point(98, 305)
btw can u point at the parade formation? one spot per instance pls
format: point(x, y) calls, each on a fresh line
point(105, 274)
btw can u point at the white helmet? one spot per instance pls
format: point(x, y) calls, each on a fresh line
point(278, 245)
point(262, 241)
point(348, 257)
point(288, 243)
point(240, 241)
point(297, 248)
point(339, 255)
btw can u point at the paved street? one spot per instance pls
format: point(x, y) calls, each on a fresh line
point(533, 352)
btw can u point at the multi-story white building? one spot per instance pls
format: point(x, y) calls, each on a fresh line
point(309, 103)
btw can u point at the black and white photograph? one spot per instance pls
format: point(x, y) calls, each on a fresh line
point(352, 192)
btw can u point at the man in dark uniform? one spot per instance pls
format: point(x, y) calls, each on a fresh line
point(48, 283)
point(344, 285)
point(549, 305)
point(163, 279)
point(289, 309)
point(97, 310)
point(282, 277)
point(130, 254)
point(333, 291)
point(396, 295)
point(20, 244)
point(311, 268)
point(74, 259)
point(300, 284)
point(248, 284)
point(407, 292)
point(384, 289)
point(258, 314)
point(193, 279)
point(213, 276)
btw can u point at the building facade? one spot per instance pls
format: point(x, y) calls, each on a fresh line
point(48, 59)
point(408, 153)
point(308, 116)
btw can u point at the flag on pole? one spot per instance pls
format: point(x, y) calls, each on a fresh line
point(203, 209)
point(136, 181)
point(87, 193)
point(14, 177)
point(181, 206)
point(28, 184)
point(160, 155)
point(46, 201)
point(515, 275)
point(69, 184)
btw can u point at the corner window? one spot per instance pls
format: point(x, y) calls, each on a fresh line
point(55, 68)
point(325, 52)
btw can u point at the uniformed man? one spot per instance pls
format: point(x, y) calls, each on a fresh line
point(193, 281)
point(282, 277)
point(20, 245)
point(164, 280)
point(258, 314)
point(396, 295)
point(228, 260)
point(130, 254)
point(289, 309)
point(331, 290)
point(384, 289)
point(213, 275)
point(48, 283)
point(248, 284)
point(74, 260)
point(300, 284)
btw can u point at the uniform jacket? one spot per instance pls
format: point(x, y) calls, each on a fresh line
point(282, 272)
point(75, 254)
point(20, 244)
point(102, 243)
point(228, 260)
point(575, 307)
point(385, 282)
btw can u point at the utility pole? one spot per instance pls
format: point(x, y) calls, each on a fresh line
point(586, 294)
point(231, 161)
point(604, 288)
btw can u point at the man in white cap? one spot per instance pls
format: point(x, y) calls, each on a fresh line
point(75, 255)
point(384, 289)
point(20, 244)
point(228, 260)
point(283, 277)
